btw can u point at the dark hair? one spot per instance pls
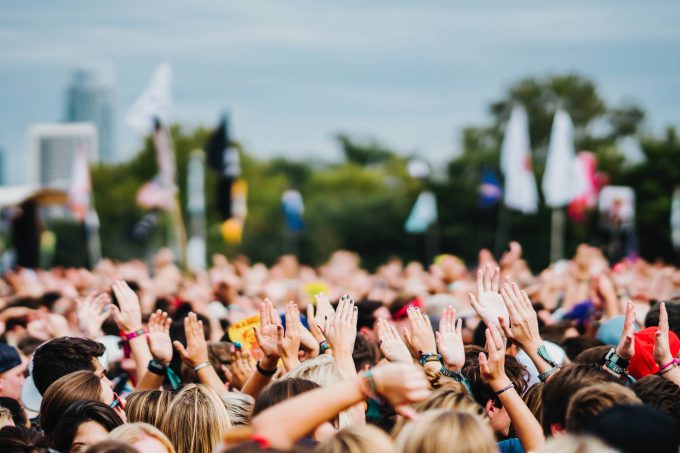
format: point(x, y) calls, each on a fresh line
point(575, 345)
point(110, 446)
point(19, 439)
point(659, 392)
point(364, 353)
point(673, 310)
point(62, 356)
point(635, 428)
point(481, 391)
point(592, 355)
point(28, 345)
point(282, 390)
point(79, 413)
point(365, 310)
point(563, 384)
point(18, 414)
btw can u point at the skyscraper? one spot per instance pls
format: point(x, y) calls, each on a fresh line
point(91, 98)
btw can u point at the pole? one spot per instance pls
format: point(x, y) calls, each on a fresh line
point(557, 235)
point(196, 248)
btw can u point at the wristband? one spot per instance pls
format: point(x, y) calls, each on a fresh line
point(429, 357)
point(200, 366)
point(614, 362)
point(673, 363)
point(504, 389)
point(157, 368)
point(323, 347)
point(457, 376)
point(372, 392)
point(130, 335)
point(263, 372)
point(546, 374)
point(545, 355)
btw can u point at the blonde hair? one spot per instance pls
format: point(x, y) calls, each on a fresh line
point(239, 407)
point(357, 439)
point(148, 406)
point(5, 417)
point(196, 420)
point(447, 431)
point(130, 433)
point(593, 399)
point(570, 443)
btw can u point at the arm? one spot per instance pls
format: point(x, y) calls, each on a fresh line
point(288, 343)
point(662, 349)
point(160, 346)
point(128, 316)
point(267, 338)
point(492, 369)
point(287, 422)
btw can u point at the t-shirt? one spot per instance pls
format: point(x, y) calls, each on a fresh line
point(512, 445)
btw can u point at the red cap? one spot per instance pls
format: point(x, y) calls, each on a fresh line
point(642, 363)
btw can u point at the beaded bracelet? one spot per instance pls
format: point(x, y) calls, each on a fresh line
point(323, 347)
point(504, 389)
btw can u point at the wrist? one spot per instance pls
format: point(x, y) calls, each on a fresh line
point(665, 361)
point(499, 383)
point(269, 362)
point(452, 366)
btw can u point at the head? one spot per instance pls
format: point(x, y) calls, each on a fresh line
point(63, 356)
point(561, 386)
point(196, 420)
point(365, 353)
point(84, 423)
point(143, 437)
point(148, 406)
point(635, 428)
point(321, 369)
point(78, 386)
point(673, 310)
point(239, 407)
point(11, 372)
point(447, 431)
point(357, 439)
point(19, 439)
point(575, 444)
point(533, 398)
point(282, 390)
point(593, 399)
point(660, 393)
point(484, 394)
point(593, 354)
point(110, 446)
point(575, 345)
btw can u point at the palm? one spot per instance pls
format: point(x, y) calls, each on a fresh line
point(492, 307)
point(160, 346)
point(452, 350)
point(268, 340)
point(395, 350)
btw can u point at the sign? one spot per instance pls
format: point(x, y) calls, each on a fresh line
point(242, 332)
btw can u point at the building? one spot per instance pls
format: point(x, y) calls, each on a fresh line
point(52, 148)
point(91, 98)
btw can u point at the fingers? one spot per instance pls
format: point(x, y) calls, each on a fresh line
point(508, 299)
point(310, 314)
point(483, 363)
point(264, 315)
point(663, 318)
point(488, 276)
point(459, 329)
point(258, 336)
point(480, 280)
point(180, 348)
point(474, 303)
point(629, 322)
point(505, 327)
point(495, 280)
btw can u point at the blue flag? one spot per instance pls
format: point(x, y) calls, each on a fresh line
point(489, 189)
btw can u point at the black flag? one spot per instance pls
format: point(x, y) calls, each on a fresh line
point(224, 159)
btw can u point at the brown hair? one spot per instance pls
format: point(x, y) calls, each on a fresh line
point(357, 439)
point(78, 386)
point(282, 390)
point(592, 355)
point(533, 398)
point(591, 400)
point(481, 391)
point(660, 393)
point(148, 406)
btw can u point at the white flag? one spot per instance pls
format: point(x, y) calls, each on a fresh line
point(423, 213)
point(563, 179)
point(521, 193)
point(154, 102)
point(79, 190)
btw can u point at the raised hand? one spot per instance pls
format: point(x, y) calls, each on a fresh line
point(341, 329)
point(488, 303)
point(420, 334)
point(392, 346)
point(92, 312)
point(492, 364)
point(523, 327)
point(196, 351)
point(450, 340)
point(626, 346)
point(314, 328)
point(242, 366)
point(128, 314)
point(324, 309)
point(662, 349)
point(158, 338)
point(288, 343)
point(401, 384)
point(267, 335)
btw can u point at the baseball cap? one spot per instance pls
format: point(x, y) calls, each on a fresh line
point(9, 357)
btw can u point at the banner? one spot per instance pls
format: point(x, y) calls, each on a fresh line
point(520, 185)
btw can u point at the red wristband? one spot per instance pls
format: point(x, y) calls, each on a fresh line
point(130, 335)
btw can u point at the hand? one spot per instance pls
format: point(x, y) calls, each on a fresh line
point(128, 315)
point(662, 349)
point(288, 343)
point(313, 325)
point(626, 347)
point(197, 348)
point(392, 346)
point(401, 384)
point(492, 364)
point(341, 330)
point(267, 334)
point(324, 309)
point(523, 327)
point(488, 304)
point(242, 366)
point(450, 340)
point(308, 342)
point(158, 338)
point(420, 335)
point(92, 312)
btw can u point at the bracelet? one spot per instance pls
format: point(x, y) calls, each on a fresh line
point(200, 366)
point(429, 357)
point(545, 355)
point(456, 376)
point(323, 347)
point(675, 362)
point(157, 368)
point(504, 389)
point(372, 392)
point(263, 372)
point(546, 374)
point(669, 368)
point(130, 335)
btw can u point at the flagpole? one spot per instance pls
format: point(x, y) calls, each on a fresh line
point(557, 235)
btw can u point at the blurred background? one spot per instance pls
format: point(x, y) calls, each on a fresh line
point(322, 123)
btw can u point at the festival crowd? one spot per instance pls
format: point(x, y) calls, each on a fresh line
point(142, 357)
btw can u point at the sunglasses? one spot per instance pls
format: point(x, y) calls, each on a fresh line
point(117, 402)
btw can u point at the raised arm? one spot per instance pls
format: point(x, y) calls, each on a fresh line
point(669, 366)
point(128, 316)
point(267, 338)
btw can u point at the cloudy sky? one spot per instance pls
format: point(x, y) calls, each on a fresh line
point(294, 73)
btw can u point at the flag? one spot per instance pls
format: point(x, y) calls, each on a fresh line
point(563, 179)
point(154, 102)
point(587, 199)
point(520, 185)
point(79, 191)
point(293, 208)
point(489, 189)
point(224, 159)
point(423, 214)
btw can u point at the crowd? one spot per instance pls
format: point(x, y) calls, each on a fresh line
point(137, 357)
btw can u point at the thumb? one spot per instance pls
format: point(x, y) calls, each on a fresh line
point(258, 337)
point(406, 411)
point(279, 332)
point(504, 325)
point(180, 348)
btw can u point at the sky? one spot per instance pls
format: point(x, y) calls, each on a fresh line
point(295, 73)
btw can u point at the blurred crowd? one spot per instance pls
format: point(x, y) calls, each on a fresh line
point(134, 356)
